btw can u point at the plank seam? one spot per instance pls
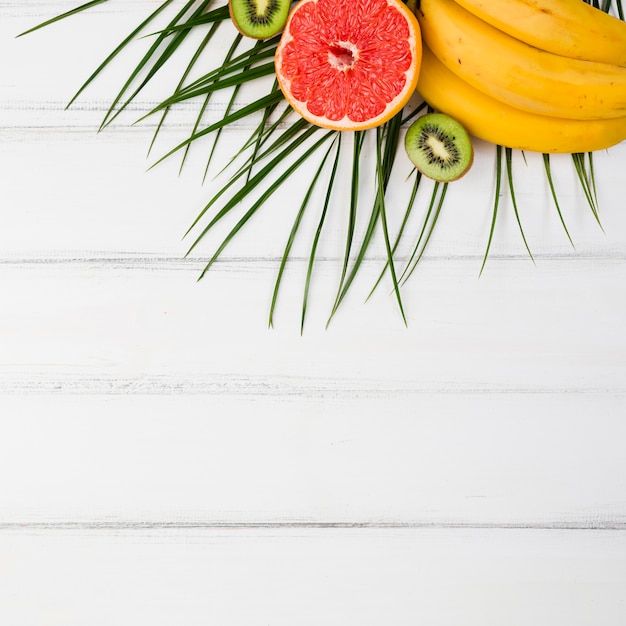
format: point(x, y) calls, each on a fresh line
point(173, 262)
point(278, 387)
point(121, 526)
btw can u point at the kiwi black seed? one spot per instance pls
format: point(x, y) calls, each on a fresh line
point(259, 19)
point(439, 147)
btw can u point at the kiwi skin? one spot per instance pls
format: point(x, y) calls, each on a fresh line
point(244, 15)
point(455, 140)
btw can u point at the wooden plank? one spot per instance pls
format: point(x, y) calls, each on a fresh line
point(518, 328)
point(264, 452)
point(90, 193)
point(440, 577)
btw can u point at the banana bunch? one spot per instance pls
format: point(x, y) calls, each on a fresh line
point(545, 76)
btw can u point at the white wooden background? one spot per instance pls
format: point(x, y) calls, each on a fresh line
point(165, 458)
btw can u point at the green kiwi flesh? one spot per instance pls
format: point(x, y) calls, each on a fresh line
point(259, 19)
point(439, 147)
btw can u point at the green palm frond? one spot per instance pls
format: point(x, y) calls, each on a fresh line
point(509, 174)
point(387, 141)
point(318, 232)
point(496, 204)
point(296, 226)
point(152, 61)
point(437, 198)
point(190, 66)
point(58, 18)
point(583, 164)
point(382, 177)
point(245, 192)
point(120, 47)
point(548, 172)
point(405, 220)
point(359, 139)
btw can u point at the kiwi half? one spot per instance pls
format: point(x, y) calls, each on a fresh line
point(259, 19)
point(439, 147)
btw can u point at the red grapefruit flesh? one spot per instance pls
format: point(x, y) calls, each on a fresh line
point(349, 64)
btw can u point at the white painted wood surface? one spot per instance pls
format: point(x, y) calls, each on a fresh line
point(165, 458)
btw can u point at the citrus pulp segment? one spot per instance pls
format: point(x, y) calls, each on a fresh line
point(349, 64)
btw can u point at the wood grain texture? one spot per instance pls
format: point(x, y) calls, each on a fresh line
point(438, 576)
point(166, 458)
point(252, 455)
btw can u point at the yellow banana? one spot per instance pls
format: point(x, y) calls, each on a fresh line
point(571, 28)
point(499, 123)
point(516, 73)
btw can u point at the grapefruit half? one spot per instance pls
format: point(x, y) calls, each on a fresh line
point(349, 64)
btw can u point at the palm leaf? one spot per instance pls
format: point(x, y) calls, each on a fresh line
point(509, 173)
point(388, 136)
point(294, 230)
point(380, 200)
point(79, 9)
point(270, 99)
point(437, 198)
point(125, 42)
point(405, 221)
point(359, 138)
point(272, 188)
point(496, 203)
point(548, 171)
point(236, 66)
point(192, 63)
point(318, 232)
point(586, 179)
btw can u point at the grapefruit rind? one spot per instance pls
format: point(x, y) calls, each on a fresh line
point(320, 60)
